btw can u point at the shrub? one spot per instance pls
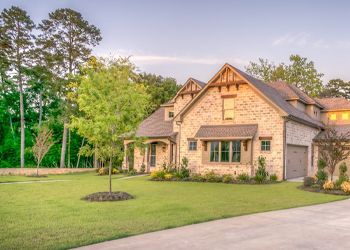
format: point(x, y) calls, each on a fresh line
point(261, 173)
point(273, 178)
point(143, 168)
point(328, 185)
point(105, 171)
point(132, 172)
point(243, 177)
point(169, 168)
point(309, 181)
point(321, 174)
point(345, 186)
point(168, 176)
point(115, 171)
point(184, 171)
point(197, 177)
point(342, 174)
point(158, 175)
point(212, 177)
point(227, 178)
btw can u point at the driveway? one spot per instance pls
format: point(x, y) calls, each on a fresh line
point(325, 226)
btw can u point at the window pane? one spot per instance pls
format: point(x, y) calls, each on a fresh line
point(229, 114)
point(228, 108)
point(214, 151)
point(333, 117)
point(225, 151)
point(171, 114)
point(265, 145)
point(192, 145)
point(153, 155)
point(229, 103)
point(236, 151)
point(345, 116)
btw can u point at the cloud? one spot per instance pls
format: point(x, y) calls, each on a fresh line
point(301, 39)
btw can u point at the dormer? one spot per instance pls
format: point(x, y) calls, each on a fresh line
point(188, 91)
point(336, 110)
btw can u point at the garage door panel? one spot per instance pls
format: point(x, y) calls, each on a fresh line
point(296, 161)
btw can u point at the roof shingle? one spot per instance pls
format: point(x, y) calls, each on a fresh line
point(227, 131)
point(334, 103)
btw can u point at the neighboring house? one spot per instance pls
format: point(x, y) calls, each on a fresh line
point(226, 124)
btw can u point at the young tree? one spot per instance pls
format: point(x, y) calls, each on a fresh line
point(111, 106)
point(17, 46)
point(336, 88)
point(43, 143)
point(66, 40)
point(300, 72)
point(333, 147)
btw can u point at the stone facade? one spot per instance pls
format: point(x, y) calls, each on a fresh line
point(302, 135)
point(250, 108)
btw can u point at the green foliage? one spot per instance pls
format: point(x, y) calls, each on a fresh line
point(336, 88)
point(321, 174)
point(197, 177)
point(227, 178)
point(105, 171)
point(300, 72)
point(273, 177)
point(212, 177)
point(243, 177)
point(142, 168)
point(343, 176)
point(184, 171)
point(309, 181)
point(261, 173)
point(158, 175)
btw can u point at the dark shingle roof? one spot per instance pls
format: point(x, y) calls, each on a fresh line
point(273, 95)
point(334, 103)
point(227, 131)
point(200, 83)
point(156, 126)
point(341, 129)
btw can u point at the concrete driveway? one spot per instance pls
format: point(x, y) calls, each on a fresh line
point(325, 226)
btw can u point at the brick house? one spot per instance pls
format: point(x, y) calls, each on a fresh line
point(225, 124)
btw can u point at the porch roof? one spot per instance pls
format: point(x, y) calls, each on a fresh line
point(227, 131)
point(341, 129)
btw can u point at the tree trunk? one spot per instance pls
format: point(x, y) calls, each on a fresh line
point(21, 108)
point(82, 144)
point(37, 169)
point(110, 175)
point(40, 108)
point(68, 153)
point(64, 145)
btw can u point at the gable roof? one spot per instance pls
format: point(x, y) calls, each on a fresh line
point(342, 129)
point(291, 92)
point(156, 125)
point(200, 83)
point(334, 103)
point(271, 94)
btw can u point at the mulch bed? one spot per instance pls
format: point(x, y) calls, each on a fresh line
point(320, 190)
point(37, 176)
point(107, 196)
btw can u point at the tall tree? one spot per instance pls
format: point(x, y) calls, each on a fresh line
point(300, 72)
point(336, 88)
point(111, 106)
point(17, 45)
point(161, 89)
point(66, 40)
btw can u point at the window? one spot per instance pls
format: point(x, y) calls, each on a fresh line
point(225, 151)
point(153, 154)
point(171, 114)
point(192, 145)
point(214, 151)
point(345, 116)
point(333, 117)
point(265, 145)
point(236, 151)
point(228, 108)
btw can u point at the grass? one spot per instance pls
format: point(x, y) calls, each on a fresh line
point(53, 216)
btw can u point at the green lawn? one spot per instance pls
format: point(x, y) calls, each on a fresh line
point(52, 215)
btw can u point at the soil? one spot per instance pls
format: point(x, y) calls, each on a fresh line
point(107, 196)
point(320, 190)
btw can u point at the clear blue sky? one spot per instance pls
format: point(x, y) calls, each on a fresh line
point(194, 38)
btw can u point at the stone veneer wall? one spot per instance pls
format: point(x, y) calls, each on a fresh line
point(162, 156)
point(300, 134)
point(250, 108)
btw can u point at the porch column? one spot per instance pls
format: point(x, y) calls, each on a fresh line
point(147, 157)
point(251, 158)
point(125, 155)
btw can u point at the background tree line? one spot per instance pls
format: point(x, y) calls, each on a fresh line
point(41, 67)
point(302, 73)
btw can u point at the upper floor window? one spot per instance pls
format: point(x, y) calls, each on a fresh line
point(333, 117)
point(171, 114)
point(192, 145)
point(228, 108)
point(265, 145)
point(345, 116)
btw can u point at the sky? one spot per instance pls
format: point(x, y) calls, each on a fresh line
point(193, 38)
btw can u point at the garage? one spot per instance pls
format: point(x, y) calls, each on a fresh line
point(296, 161)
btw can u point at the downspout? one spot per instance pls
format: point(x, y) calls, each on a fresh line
point(252, 170)
point(179, 142)
point(285, 120)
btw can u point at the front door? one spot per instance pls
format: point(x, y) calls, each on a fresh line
point(153, 155)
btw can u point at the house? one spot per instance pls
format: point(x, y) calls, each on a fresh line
point(225, 124)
